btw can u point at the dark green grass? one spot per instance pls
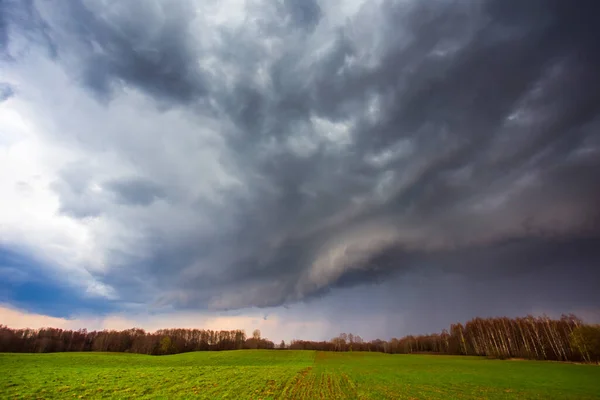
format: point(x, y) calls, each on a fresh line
point(289, 374)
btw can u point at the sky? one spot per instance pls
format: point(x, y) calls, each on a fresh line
point(305, 167)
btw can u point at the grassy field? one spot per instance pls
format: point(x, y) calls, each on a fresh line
point(256, 374)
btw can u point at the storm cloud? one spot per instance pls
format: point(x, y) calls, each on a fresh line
point(225, 156)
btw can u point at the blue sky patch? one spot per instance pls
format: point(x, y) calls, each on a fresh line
point(26, 283)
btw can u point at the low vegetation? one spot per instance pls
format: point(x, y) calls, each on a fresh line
point(262, 374)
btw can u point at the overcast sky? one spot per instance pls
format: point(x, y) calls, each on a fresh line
point(303, 166)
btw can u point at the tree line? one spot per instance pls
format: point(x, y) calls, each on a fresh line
point(540, 338)
point(135, 340)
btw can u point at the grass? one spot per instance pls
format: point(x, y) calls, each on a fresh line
point(256, 374)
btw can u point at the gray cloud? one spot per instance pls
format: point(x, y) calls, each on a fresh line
point(77, 198)
point(21, 25)
point(135, 191)
point(6, 92)
point(3, 26)
point(318, 150)
point(303, 13)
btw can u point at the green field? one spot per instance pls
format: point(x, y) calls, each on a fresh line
point(264, 374)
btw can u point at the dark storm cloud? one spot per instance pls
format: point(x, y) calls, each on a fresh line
point(153, 52)
point(150, 47)
point(407, 135)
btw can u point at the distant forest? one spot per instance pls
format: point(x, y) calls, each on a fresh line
point(539, 338)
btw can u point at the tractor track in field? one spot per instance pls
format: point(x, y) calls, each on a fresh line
point(321, 381)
